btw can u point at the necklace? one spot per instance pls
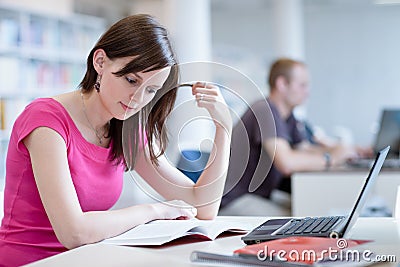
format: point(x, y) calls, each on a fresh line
point(98, 135)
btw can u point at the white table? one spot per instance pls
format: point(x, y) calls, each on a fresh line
point(386, 236)
point(335, 192)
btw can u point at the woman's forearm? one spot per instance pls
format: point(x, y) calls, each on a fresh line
point(95, 226)
point(210, 185)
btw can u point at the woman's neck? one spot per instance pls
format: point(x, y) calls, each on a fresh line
point(93, 109)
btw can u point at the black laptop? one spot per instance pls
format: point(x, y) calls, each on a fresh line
point(388, 135)
point(327, 226)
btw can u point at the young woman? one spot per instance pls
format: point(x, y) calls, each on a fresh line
point(67, 154)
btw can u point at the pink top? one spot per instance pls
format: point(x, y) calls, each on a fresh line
point(26, 234)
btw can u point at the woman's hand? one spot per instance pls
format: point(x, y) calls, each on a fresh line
point(209, 96)
point(174, 209)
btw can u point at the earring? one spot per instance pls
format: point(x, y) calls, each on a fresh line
point(97, 84)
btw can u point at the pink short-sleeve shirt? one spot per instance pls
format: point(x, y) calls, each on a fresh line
point(26, 234)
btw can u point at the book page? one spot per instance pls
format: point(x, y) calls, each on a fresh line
point(214, 228)
point(153, 233)
point(159, 232)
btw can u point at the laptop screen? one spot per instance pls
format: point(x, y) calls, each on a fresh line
point(389, 132)
point(367, 188)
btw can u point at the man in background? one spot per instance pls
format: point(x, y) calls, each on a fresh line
point(269, 143)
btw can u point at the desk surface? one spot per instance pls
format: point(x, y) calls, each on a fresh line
point(385, 232)
point(350, 169)
point(313, 192)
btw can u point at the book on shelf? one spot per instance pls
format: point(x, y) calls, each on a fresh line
point(2, 114)
point(159, 232)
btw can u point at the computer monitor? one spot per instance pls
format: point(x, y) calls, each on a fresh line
point(389, 132)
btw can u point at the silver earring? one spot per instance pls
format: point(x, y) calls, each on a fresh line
point(97, 84)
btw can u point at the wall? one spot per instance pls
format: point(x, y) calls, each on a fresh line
point(242, 37)
point(354, 58)
point(351, 50)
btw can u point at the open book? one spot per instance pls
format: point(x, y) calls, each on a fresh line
point(159, 232)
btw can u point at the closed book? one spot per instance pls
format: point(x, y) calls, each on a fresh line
point(307, 250)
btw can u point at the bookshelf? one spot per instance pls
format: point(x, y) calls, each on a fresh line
point(40, 55)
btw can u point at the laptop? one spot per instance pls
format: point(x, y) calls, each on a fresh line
point(388, 135)
point(326, 226)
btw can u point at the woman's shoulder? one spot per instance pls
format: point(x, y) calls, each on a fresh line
point(44, 106)
point(46, 102)
point(45, 111)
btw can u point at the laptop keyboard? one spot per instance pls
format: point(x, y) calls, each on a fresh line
point(309, 225)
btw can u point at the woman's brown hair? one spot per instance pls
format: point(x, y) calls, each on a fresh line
point(141, 37)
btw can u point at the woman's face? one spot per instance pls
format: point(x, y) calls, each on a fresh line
point(126, 95)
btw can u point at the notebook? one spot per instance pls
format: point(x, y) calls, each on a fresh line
point(327, 226)
point(388, 135)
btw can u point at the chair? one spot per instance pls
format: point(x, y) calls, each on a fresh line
point(192, 163)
